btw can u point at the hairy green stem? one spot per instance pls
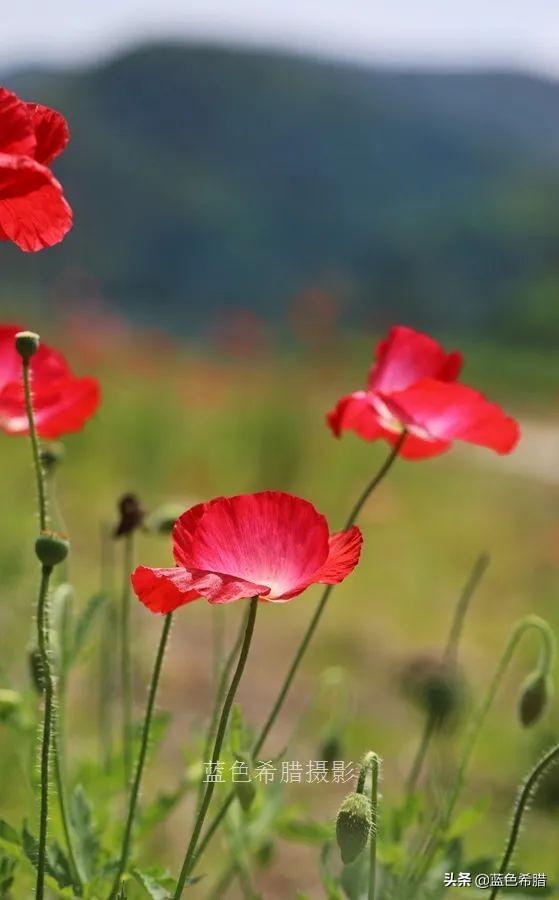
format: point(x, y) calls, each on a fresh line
point(307, 637)
point(219, 697)
point(107, 656)
point(34, 440)
point(526, 792)
point(375, 770)
point(545, 665)
point(126, 842)
point(220, 735)
point(125, 661)
point(449, 656)
point(50, 738)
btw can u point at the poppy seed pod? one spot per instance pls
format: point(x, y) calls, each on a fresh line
point(534, 698)
point(435, 686)
point(51, 455)
point(51, 548)
point(131, 515)
point(330, 749)
point(353, 826)
point(27, 344)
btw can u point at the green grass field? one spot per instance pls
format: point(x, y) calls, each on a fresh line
point(185, 424)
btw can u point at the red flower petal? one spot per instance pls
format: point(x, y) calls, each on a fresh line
point(343, 556)
point(406, 356)
point(60, 407)
point(33, 211)
point(452, 411)
point(46, 364)
point(164, 590)
point(355, 412)
point(269, 538)
point(16, 130)
point(51, 132)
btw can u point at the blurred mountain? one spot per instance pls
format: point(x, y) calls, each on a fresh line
point(206, 179)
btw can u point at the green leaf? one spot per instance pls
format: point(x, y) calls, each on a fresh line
point(303, 830)
point(61, 618)
point(56, 862)
point(466, 819)
point(85, 622)
point(158, 887)
point(163, 804)
point(9, 834)
point(87, 839)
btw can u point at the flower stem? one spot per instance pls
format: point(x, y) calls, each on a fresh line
point(546, 662)
point(307, 637)
point(220, 735)
point(34, 439)
point(50, 737)
point(125, 661)
point(143, 752)
point(449, 656)
point(42, 636)
point(526, 792)
point(375, 767)
point(107, 657)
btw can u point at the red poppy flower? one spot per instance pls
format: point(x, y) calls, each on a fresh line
point(412, 385)
point(33, 211)
point(62, 403)
point(272, 545)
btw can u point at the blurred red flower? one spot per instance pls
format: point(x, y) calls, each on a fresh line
point(62, 403)
point(33, 211)
point(272, 545)
point(412, 385)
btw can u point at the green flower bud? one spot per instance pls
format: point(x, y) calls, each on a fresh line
point(51, 548)
point(10, 702)
point(435, 686)
point(27, 344)
point(534, 698)
point(265, 853)
point(353, 826)
point(36, 669)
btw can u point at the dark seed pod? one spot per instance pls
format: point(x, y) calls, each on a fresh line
point(51, 548)
point(435, 686)
point(51, 456)
point(330, 749)
point(131, 515)
point(27, 344)
point(353, 826)
point(534, 698)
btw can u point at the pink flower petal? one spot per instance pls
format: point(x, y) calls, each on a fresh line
point(406, 356)
point(164, 590)
point(452, 411)
point(355, 412)
point(343, 555)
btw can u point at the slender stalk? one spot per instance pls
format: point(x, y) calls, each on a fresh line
point(524, 796)
point(34, 440)
point(50, 737)
point(375, 767)
point(449, 656)
point(126, 842)
point(219, 697)
point(125, 660)
point(42, 636)
point(109, 632)
point(220, 735)
point(307, 637)
point(546, 662)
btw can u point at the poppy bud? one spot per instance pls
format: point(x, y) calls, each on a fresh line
point(27, 344)
point(51, 548)
point(353, 826)
point(534, 698)
point(51, 455)
point(10, 701)
point(162, 519)
point(131, 515)
point(36, 669)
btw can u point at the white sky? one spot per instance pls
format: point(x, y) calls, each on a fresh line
point(513, 33)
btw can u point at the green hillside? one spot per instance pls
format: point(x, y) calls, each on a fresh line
point(206, 179)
